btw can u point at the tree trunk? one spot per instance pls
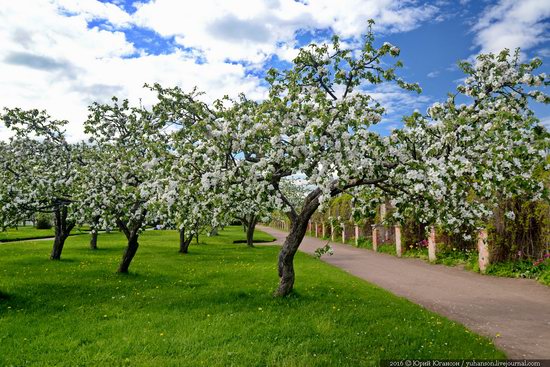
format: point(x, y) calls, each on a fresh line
point(94, 229)
point(250, 226)
point(62, 230)
point(131, 231)
point(129, 253)
point(93, 240)
point(58, 244)
point(184, 242)
point(298, 230)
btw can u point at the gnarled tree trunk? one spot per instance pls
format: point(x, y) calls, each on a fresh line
point(129, 253)
point(285, 264)
point(131, 231)
point(93, 232)
point(298, 228)
point(62, 230)
point(250, 227)
point(93, 240)
point(184, 242)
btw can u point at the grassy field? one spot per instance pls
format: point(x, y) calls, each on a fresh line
point(23, 233)
point(211, 307)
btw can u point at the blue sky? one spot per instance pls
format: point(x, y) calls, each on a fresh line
point(63, 54)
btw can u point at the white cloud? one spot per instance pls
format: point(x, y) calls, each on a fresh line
point(511, 24)
point(51, 59)
point(397, 101)
point(252, 30)
point(545, 121)
point(433, 74)
point(93, 9)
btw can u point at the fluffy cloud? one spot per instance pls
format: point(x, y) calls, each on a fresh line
point(511, 24)
point(92, 10)
point(52, 58)
point(252, 30)
point(397, 102)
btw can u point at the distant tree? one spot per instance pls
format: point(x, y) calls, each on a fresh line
point(38, 168)
point(120, 187)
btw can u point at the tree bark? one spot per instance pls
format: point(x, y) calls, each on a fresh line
point(129, 253)
point(94, 229)
point(250, 226)
point(93, 240)
point(62, 230)
point(184, 242)
point(297, 232)
point(131, 231)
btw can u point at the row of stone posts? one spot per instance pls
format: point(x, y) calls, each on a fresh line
point(316, 229)
point(319, 230)
point(281, 224)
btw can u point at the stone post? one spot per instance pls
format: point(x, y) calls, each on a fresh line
point(316, 229)
point(375, 237)
point(356, 235)
point(431, 245)
point(382, 212)
point(324, 230)
point(343, 232)
point(332, 232)
point(483, 250)
point(398, 249)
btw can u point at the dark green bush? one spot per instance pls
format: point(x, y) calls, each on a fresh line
point(43, 221)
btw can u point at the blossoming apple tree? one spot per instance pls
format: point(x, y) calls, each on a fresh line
point(460, 160)
point(314, 123)
point(185, 170)
point(38, 168)
point(317, 123)
point(120, 187)
point(208, 162)
point(318, 118)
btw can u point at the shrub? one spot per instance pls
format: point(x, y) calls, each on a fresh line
point(43, 221)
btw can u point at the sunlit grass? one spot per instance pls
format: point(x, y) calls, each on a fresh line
point(29, 232)
point(211, 307)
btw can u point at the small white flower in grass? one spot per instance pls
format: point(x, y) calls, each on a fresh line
point(510, 215)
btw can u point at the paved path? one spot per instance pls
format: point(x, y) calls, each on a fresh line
point(516, 309)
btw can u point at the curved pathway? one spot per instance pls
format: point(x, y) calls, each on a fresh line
point(514, 313)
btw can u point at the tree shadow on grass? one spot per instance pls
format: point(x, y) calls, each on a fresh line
point(255, 241)
point(4, 296)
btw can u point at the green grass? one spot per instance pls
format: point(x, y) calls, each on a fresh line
point(211, 307)
point(454, 256)
point(29, 232)
point(417, 252)
point(21, 233)
point(522, 269)
point(364, 243)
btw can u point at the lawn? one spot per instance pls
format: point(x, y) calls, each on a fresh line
point(29, 232)
point(211, 307)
